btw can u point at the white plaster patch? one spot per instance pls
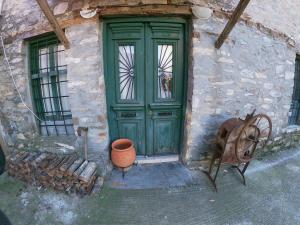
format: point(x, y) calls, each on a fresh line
point(268, 100)
point(72, 60)
point(225, 60)
point(247, 73)
point(260, 75)
point(21, 106)
point(204, 51)
point(268, 86)
point(246, 80)
point(279, 69)
point(89, 40)
point(275, 94)
point(271, 114)
point(72, 84)
point(16, 60)
point(218, 111)
point(265, 106)
point(64, 146)
point(289, 75)
point(21, 136)
point(223, 82)
point(229, 92)
point(248, 106)
point(60, 8)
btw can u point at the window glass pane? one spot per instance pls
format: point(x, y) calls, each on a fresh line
point(60, 57)
point(46, 95)
point(126, 72)
point(43, 60)
point(165, 71)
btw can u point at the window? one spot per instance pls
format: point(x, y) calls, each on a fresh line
point(295, 106)
point(48, 71)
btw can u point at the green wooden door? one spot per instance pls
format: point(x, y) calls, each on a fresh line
point(145, 83)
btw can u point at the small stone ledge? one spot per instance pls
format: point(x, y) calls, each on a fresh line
point(54, 144)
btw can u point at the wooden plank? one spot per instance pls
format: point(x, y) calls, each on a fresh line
point(74, 166)
point(23, 155)
point(88, 172)
point(231, 23)
point(98, 185)
point(39, 159)
point(53, 22)
point(66, 158)
point(68, 163)
point(145, 10)
point(55, 163)
point(31, 157)
point(81, 168)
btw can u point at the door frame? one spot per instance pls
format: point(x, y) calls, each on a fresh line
point(186, 45)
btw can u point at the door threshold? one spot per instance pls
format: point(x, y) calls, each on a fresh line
point(157, 159)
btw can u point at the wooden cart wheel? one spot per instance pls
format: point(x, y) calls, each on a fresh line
point(247, 141)
point(264, 124)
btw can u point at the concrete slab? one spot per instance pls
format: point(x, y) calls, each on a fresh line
point(145, 176)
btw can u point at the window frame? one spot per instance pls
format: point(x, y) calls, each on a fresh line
point(294, 115)
point(41, 101)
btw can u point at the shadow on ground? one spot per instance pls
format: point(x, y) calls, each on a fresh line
point(271, 197)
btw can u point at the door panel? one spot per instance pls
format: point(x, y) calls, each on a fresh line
point(125, 82)
point(165, 73)
point(165, 140)
point(144, 83)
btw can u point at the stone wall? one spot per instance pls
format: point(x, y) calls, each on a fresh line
point(281, 15)
point(86, 86)
point(252, 70)
point(17, 125)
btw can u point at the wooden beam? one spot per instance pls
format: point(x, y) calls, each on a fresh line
point(232, 21)
point(183, 10)
point(53, 22)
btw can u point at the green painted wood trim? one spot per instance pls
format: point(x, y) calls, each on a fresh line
point(185, 22)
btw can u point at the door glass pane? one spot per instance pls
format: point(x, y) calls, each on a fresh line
point(165, 71)
point(126, 72)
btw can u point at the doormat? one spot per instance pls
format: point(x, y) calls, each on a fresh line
point(69, 173)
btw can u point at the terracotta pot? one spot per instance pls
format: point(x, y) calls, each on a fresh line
point(123, 153)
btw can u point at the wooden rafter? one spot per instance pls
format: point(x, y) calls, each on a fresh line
point(232, 21)
point(52, 20)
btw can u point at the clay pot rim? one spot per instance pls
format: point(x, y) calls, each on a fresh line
point(118, 142)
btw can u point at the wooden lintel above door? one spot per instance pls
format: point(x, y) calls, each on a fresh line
point(183, 10)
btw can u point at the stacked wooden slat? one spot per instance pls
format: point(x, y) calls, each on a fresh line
point(64, 173)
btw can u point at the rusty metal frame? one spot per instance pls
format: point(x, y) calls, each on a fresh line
point(237, 162)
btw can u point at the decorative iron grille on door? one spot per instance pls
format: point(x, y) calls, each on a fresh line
point(295, 106)
point(48, 71)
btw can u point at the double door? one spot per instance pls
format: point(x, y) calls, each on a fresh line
point(145, 83)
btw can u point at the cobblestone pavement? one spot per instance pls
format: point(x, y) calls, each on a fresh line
point(271, 197)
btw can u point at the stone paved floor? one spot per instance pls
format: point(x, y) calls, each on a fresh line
point(271, 197)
